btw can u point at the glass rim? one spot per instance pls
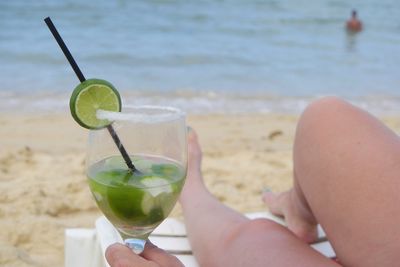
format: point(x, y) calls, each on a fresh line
point(155, 114)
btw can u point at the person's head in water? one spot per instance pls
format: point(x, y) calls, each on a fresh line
point(354, 24)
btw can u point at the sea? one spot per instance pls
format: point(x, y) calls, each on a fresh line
point(224, 56)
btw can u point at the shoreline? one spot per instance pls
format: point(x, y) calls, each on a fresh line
point(43, 188)
point(197, 103)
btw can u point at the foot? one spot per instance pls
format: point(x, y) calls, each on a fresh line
point(298, 219)
point(194, 179)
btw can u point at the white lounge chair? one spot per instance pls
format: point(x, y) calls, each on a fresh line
point(85, 247)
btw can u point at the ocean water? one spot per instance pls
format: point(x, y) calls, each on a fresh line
point(203, 55)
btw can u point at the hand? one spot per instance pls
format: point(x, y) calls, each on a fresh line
point(119, 255)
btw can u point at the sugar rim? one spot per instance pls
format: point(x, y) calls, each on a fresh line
point(138, 114)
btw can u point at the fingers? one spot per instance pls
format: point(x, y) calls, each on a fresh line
point(159, 256)
point(122, 256)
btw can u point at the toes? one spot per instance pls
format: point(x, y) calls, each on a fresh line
point(193, 143)
point(273, 203)
point(192, 135)
point(282, 205)
point(194, 150)
point(306, 232)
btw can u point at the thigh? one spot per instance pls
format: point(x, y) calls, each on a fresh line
point(347, 165)
point(262, 242)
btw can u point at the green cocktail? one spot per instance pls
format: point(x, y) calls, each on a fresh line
point(136, 202)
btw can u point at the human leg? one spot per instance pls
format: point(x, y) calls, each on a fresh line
point(347, 177)
point(222, 237)
point(294, 208)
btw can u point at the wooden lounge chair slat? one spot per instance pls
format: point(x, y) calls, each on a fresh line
point(170, 227)
point(188, 260)
point(268, 215)
point(179, 245)
point(324, 248)
point(82, 249)
point(173, 227)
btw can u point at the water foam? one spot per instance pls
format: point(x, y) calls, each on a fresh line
point(195, 103)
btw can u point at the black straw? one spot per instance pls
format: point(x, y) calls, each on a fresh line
point(81, 78)
point(65, 49)
point(121, 148)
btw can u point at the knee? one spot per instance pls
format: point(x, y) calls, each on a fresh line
point(325, 107)
point(251, 231)
point(324, 114)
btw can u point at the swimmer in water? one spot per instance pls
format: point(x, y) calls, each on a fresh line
point(354, 24)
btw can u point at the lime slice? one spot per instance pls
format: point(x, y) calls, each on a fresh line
point(148, 203)
point(156, 185)
point(90, 96)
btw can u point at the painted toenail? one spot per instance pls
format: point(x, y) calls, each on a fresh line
point(267, 190)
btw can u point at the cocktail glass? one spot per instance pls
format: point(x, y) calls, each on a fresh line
point(136, 202)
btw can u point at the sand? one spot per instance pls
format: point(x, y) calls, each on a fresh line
point(43, 188)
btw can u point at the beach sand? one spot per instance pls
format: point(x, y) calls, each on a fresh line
point(43, 188)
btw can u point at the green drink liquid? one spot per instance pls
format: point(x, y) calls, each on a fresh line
point(136, 203)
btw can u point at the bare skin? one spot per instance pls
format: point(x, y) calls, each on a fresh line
point(346, 178)
point(354, 24)
point(220, 236)
point(297, 214)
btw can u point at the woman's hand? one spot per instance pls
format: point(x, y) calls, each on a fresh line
point(119, 255)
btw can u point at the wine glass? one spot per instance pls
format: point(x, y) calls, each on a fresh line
point(136, 202)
